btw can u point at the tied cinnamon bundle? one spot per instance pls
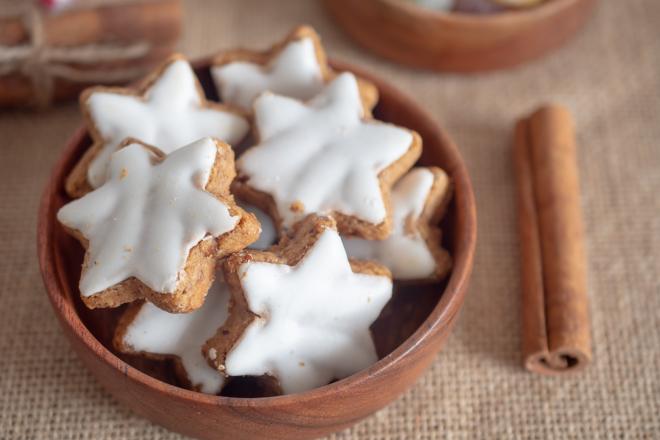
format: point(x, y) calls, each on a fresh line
point(556, 335)
point(47, 56)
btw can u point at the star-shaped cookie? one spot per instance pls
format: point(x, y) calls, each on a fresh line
point(157, 226)
point(169, 110)
point(325, 157)
point(413, 251)
point(147, 330)
point(296, 67)
point(302, 312)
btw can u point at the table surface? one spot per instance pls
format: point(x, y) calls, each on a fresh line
point(609, 76)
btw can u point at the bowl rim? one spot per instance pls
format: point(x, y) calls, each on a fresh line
point(533, 13)
point(448, 305)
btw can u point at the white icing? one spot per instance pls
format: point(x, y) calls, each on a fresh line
point(156, 331)
point(322, 154)
point(171, 115)
point(145, 219)
point(294, 72)
point(404, 252)
point(268, 235)
point(314, 318)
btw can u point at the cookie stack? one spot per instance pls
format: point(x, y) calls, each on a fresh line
point(273, 265)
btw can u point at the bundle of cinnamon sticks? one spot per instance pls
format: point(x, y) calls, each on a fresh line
point(49, 55)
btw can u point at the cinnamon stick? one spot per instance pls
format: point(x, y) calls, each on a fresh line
point(556, 329)
point(151, 21)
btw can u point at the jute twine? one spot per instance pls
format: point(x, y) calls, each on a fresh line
point(43, 64)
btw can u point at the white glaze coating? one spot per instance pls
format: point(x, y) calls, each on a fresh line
point(405, 251)
point(294, 72)
point(268, 235)
point(172, 115)
point(145, 219)
point(314, 318)
point(158, 332)
point(322, 154)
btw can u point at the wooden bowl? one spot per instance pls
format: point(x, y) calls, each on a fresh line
point(408, 334)
point(458, 42)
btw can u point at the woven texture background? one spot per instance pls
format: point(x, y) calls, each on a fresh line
point(609, 76)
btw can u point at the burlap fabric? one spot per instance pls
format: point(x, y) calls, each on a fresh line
point(609, 76)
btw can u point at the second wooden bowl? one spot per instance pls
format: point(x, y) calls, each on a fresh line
point(459, 42)
point(408, 335)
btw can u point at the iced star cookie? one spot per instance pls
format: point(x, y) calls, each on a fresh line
point(297, 67)
point(300, 313)
point(169, 110)
point(146, 330)
point(325, 157)
point(413, 251)
point(156, 227)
